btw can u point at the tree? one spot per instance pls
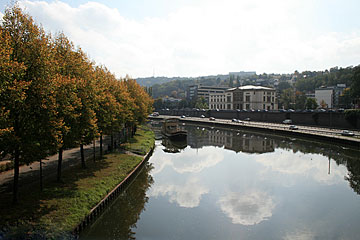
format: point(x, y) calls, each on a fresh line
point(345, 99)
point(283, 85)
point(300, 100)
point(311, 103)
point(323, 104)
point(68, 103)
point(231, 81)
point(355, 85)
point(201, 103)
point(28, 103)
point(287, 98)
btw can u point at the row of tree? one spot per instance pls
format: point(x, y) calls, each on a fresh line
point(53, 97)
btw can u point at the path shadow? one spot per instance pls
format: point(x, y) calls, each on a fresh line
point(24, 218)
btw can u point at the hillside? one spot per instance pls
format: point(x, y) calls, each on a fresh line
point(306, 81)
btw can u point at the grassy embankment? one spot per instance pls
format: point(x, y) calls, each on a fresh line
point(60, 207)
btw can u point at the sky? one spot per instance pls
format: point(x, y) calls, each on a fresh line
point(191, 38)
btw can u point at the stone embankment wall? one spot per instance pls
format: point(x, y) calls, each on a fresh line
point(108, 199)
point(321, 119)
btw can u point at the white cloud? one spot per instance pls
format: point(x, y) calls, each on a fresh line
point(309, 165)
point(248, 208)
point(187, 195)
point(190, 161)
point(211, 38)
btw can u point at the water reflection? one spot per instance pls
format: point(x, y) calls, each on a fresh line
point(247, 208)
point(119, 219)
point(186, 195)
point(231, 184)
point(173, 146)
point(235, 140)
point(259, 143)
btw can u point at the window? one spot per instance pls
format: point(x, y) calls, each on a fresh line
point(247, 99)
point(268, 98)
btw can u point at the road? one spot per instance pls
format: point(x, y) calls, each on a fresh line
point(308, 130)
point(30, 174)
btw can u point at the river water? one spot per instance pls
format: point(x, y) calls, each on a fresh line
point(231, 184)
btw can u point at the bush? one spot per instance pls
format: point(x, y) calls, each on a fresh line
point(352, 116)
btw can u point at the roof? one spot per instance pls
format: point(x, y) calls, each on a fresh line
point(251, 87)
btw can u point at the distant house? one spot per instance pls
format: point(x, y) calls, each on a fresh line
point(245, 97)
point(329, 95)
point(325, 95)
point(198, 91)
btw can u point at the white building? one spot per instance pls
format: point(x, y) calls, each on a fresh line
point(221, 101)
point(325, 95)
point(245, 97)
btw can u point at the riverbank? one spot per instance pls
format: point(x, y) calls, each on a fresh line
point(60, 207)
point(324, 134)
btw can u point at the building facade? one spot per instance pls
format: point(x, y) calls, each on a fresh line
point(200, 91)
point(329, 95)
point(245, 97)
point(325, 96)
point(221, 101)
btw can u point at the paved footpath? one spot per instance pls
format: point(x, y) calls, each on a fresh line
point(31, 174)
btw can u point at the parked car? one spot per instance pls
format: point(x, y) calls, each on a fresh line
point(247, 119)
point(202, 116)
point(155, 114)
point(183, 116)
point(347, 133)
point(293, 127)
point(212, 119)
point(287, 121)
point(234, 120)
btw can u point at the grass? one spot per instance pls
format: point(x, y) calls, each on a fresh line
point(56, 210)
point(142, 142)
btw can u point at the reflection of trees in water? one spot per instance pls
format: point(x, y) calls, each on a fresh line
point(256, 142)
point(122, 216)
point(173, 146)
point(348, 157)
point(353, 177)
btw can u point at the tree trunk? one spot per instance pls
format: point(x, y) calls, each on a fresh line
point(59, 164)
point(94, 150)
point(101, 143)
point(83, 165)
point(112, 142)
point(16, 176)
point(41, 176)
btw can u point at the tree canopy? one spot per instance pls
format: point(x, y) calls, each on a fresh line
point(52, 96)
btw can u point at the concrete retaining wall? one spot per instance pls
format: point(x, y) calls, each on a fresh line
point(321, 119)
point(100, 207)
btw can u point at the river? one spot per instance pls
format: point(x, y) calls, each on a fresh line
point(231, 184)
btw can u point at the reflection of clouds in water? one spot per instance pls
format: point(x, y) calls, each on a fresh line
point(311, 165)
point(299, 235)
point(247, 209)
point(187, 195)
point(189, 161)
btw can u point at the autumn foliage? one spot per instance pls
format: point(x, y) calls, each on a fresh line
point(53, 97)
